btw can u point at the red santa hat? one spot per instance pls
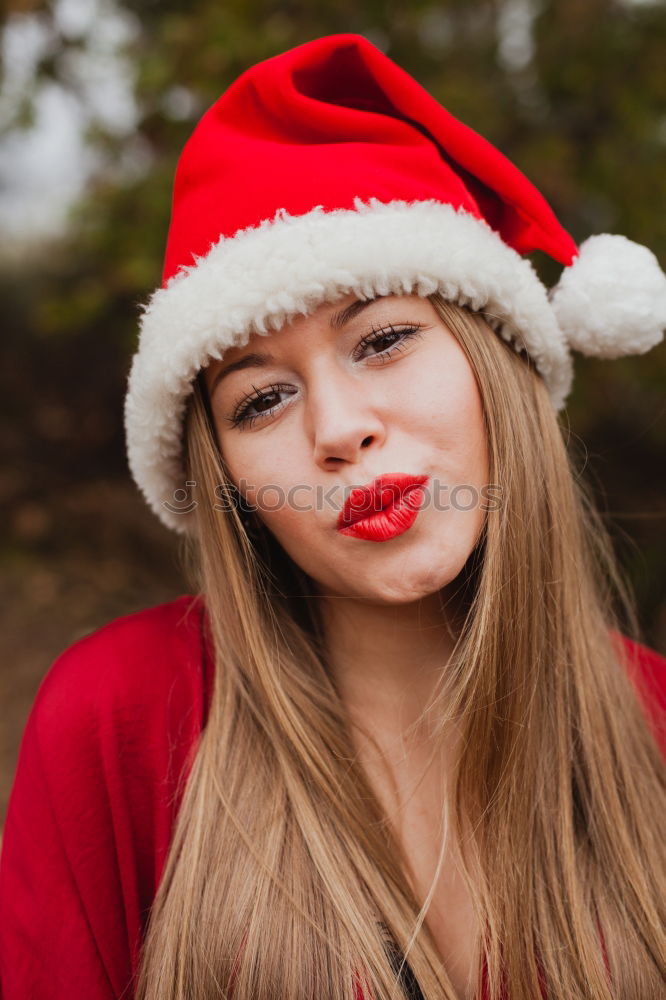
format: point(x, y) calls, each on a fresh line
point(328, 170)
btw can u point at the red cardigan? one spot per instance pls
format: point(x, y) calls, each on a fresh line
point(103, 760)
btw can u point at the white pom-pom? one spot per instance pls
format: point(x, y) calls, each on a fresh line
point(611, 300)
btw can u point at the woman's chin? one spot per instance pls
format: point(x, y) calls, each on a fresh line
point(413, 577)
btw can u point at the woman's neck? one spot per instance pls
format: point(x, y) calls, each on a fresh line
point(386, 661)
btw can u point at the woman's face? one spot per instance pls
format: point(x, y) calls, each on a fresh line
point(330, 411)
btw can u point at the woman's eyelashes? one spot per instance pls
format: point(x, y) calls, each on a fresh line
point(392, 340)
point(244, 417)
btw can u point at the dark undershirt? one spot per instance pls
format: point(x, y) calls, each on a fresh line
point(407, 979)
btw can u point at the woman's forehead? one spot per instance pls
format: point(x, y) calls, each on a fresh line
point(332, 314)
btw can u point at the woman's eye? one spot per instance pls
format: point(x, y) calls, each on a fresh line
point(390, 340)
point(267, 398)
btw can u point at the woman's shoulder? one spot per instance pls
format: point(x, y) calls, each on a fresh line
point(122, 707)
point(142, 658)
point(645, 665)
point(647, 669)
point(102, 766)
point(133, 639)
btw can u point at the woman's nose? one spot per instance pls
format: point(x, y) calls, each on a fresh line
point(342, 417)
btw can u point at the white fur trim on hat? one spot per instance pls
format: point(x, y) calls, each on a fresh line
point(611, 300)
point(264, 276)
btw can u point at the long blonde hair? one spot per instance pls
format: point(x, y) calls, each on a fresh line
point(283, 878)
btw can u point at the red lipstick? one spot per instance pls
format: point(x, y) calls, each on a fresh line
point(385, 508)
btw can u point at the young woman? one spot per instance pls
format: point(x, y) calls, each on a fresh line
point(395, 743)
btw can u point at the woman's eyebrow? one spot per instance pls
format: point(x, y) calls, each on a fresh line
point(259, 360)
point(339, 319)
point(248, 361)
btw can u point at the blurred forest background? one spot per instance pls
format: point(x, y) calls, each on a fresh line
point(98, 98)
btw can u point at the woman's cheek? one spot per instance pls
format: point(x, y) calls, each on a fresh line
point(291, 532)
point(246, 469)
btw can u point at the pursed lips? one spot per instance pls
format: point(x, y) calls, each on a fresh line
point(383, 491)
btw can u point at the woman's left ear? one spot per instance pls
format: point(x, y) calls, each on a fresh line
point(611, 300)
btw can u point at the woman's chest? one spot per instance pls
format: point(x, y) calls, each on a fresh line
point(450, 917)
point(411, 790)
